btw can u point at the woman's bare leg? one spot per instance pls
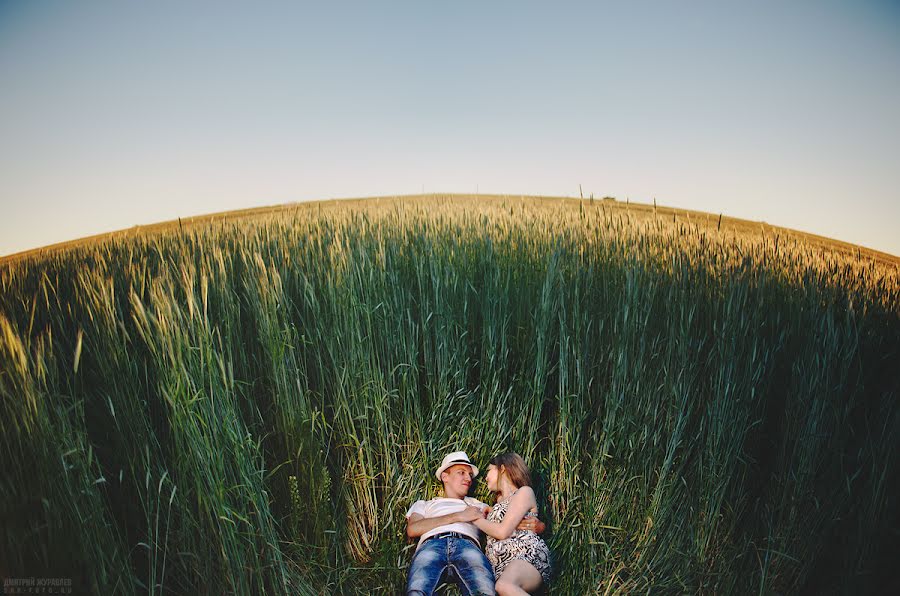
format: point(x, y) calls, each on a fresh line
point(519, 577)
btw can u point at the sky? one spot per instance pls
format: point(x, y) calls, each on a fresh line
point(120, 113)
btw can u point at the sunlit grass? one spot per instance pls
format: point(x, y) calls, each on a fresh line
point(250, 404)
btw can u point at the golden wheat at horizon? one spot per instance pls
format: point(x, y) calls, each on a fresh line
point(494, 205)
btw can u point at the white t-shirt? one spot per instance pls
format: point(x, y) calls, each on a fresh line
point(442, 506)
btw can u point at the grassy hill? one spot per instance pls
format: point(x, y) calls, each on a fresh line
point(250, 401)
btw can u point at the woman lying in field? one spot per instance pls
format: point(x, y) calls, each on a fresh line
point(520, 558)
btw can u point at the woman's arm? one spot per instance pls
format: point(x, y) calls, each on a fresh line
point(520, 503)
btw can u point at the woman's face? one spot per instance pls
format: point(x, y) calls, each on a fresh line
point(492, 478)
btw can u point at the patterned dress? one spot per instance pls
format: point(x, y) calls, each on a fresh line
point(522, 544)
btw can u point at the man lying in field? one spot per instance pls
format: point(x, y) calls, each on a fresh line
point(448, 540)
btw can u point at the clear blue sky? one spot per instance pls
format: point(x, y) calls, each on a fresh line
point(121, 113)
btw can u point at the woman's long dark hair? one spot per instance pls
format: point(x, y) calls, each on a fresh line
point(515, 468)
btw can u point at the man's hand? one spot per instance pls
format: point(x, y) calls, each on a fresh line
point(531, 522)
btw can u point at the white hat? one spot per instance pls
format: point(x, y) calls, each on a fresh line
point(451, 459)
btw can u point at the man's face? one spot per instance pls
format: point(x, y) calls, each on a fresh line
point(457, 480)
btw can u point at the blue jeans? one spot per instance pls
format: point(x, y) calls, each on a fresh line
point(455, 559)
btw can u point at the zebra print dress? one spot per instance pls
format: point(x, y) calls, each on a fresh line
point(522, 545)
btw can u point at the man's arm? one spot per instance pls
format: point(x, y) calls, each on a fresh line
point(532, 523)
point(417, 524)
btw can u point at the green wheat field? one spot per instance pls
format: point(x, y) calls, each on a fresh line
point(249, 402)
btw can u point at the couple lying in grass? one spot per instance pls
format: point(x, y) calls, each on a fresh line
point(448, 529)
